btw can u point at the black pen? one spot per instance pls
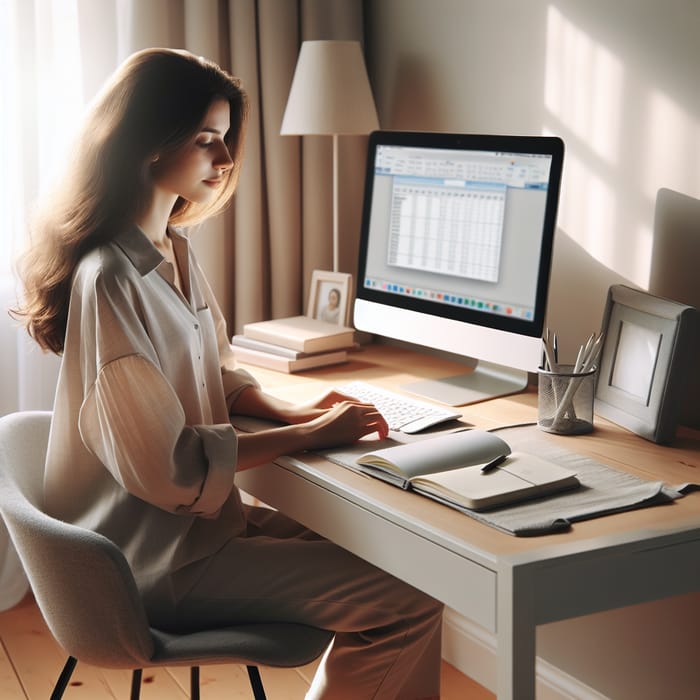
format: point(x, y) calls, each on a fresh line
point(493, 464)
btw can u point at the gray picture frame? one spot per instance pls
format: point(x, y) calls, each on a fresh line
point(648, 346)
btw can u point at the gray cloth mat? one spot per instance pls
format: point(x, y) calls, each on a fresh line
point(603, 490)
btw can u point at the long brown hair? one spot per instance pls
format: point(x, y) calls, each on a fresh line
point(151, 107)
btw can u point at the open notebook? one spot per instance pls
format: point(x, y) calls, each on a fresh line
point(449, 469)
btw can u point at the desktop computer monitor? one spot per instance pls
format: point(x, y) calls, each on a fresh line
point(456, 249)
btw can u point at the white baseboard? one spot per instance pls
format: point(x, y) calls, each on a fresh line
point(472, 650)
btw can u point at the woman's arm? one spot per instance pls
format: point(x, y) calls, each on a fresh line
point(133, 421)
point(343, 423)
point(332, 419)
point(252, 401)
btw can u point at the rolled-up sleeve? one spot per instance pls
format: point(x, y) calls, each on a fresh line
point(234, 383)
point(132, 420)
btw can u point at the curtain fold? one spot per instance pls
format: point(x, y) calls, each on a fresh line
point(259, 255)
point(283, 210)
point(278, 47)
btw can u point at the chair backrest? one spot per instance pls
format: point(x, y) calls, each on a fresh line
point(80, 579)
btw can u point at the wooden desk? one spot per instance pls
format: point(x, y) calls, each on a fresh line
point(506, 584)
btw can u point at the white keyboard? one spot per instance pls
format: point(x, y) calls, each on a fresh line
point(402, 413)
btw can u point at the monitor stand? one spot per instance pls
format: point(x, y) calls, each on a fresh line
point(485, 381)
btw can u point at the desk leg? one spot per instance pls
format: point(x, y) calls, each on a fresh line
point(515, 635)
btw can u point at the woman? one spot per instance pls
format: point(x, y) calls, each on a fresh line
point(141, 447)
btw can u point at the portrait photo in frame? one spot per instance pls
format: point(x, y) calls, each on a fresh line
point(330, 297)
point(648, 348)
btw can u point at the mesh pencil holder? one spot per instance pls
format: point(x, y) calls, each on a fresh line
point(565, 400)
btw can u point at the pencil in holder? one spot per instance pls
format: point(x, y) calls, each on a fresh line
point(565, 400)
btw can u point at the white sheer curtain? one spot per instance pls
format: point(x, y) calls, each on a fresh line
point(42, 98)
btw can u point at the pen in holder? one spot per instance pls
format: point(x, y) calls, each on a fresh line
point(565, 400)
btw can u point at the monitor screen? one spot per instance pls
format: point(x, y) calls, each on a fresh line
point(456, 244)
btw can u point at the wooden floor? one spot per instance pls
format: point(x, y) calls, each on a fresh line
point(30, 661)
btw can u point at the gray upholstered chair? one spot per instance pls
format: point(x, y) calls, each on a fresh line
point(87, 594)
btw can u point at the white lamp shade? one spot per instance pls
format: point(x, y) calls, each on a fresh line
point(330, 91)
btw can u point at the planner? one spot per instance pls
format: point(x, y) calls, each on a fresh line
point(450, 469)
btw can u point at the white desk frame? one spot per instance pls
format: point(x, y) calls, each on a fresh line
point(508, 585)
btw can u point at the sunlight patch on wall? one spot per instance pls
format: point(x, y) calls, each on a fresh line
point(587, 206)
point(589, 214)
point(583, 83)
point(583, 86)
point(584, 93)
point(673, 145)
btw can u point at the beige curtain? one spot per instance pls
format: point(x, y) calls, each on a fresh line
point(282, 216)
point(260, 254)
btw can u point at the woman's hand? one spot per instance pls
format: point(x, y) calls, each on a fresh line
point(345, 422)
point(328, 403)
point(302, 413)
point(253, 401)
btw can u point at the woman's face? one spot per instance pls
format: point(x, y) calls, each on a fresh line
point(196, 171)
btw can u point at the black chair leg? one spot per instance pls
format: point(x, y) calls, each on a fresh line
point(63, 679)
point(194, 683)
point(136, 684)
point(256, 683)
point(69, 667)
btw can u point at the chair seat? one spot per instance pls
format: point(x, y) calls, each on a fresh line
point(269, 644)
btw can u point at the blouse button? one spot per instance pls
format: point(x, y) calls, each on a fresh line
point(196, 326)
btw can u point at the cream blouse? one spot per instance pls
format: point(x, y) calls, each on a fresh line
point(141, 446)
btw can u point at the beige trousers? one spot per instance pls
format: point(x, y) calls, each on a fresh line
point(387, 642)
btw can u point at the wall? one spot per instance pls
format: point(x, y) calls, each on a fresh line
point(618, 82)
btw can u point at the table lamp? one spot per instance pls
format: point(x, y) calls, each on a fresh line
point(330, 95)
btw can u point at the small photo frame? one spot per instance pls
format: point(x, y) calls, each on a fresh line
point(646, 357)
point(330, 297)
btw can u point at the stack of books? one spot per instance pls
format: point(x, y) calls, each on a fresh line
point(293, 344)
